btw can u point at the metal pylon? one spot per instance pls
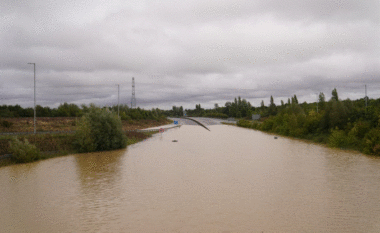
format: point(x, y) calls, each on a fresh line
point(133, 100)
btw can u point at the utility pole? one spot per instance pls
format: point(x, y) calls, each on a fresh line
point(34, 120)
point(118, 98)
point(133, 100)
point(317, 101)
point(366, 97)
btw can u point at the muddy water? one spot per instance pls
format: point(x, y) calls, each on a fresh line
point(227, 180)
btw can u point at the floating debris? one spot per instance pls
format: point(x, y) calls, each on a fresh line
point(174, 141)
point(275, 137)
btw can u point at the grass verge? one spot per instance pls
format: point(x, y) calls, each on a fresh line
point(56, 145)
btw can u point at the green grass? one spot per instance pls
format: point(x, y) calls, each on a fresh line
point(63, 144)
point(225, 123)
point(132, 140)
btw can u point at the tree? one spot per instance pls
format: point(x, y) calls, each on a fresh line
point(99, 130)
point(272, 107)
point(334, 94)
point(227, 106)
point(294, 100)
point(23, 152)
point(321, 101)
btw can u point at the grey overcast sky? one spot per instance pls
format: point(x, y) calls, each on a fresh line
point(187, 52)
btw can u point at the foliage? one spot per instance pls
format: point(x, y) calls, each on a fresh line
point(23, 152)
point(248, 124)
point(6, 124)
point(372, 142)
point(342, 124)
point(339, 123)
point(334, 94)
point(339, 139)
point(177, 111)
point(99, 130)
point(216, 115)
point(272, 110)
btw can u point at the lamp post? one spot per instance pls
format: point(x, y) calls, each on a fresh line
point(34, 120)
point(317, 101)
point(118, 90)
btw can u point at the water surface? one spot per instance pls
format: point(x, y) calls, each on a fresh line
point(228, 179)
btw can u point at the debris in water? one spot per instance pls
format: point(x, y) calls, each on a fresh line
point(174, 141)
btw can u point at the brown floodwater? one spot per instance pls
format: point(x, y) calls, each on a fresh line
point(228, 179)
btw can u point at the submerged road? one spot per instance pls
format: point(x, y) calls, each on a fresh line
point(228, 179)
point(204, 120)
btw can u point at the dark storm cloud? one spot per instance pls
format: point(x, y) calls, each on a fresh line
point(187, 52)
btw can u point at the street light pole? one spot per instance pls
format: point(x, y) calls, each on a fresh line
point(34, 120)
point(317, 101)
point(118, 98)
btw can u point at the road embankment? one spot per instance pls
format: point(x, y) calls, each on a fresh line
point(58, 143)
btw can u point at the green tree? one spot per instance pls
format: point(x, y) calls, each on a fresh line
point(99, 130)
point(272, 107)
point(321, 101)
point(334, 94)
point(294, 100)
point(23, 152)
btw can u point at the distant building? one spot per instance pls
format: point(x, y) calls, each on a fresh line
point(256, 116)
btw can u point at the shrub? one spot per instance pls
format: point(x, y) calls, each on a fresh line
point(216, 115)
point(267, 125)
point(376, 150)
point(338, 138)
point(244, 123)
point(23, 152)
point(99, 130)
point(6, 124)
point(372, 142)
point(125, 117)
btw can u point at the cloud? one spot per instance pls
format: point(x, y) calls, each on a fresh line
point(187, 52)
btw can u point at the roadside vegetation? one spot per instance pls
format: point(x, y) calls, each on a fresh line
point(98, 129)
point(338, 123)
point(73, 110)
point(23, 152)
point(346, 124)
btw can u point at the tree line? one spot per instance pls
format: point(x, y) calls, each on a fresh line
point(73, 110)
point(338, 123)
point(352, 124)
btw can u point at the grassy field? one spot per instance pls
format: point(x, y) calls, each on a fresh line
point(44, 124)
point(59, 144)
point(54, 145)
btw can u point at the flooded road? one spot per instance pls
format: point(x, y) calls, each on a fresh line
point(228, 179)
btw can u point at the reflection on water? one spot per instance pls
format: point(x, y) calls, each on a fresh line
point(98, 171)
point(224, 180)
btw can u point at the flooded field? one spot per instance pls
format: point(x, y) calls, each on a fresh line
point(228, 179)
